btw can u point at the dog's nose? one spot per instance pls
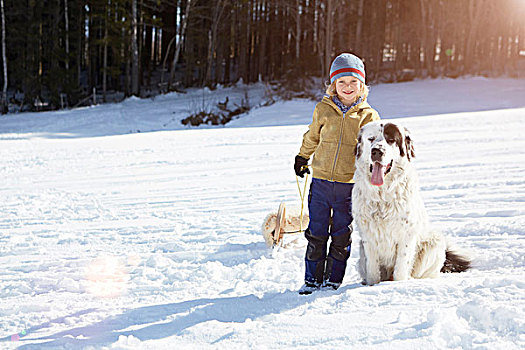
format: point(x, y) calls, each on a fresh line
point(377, 154)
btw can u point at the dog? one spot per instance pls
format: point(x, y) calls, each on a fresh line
point(397, 240)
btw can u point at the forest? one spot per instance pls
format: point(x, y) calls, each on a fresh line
point(66, 53)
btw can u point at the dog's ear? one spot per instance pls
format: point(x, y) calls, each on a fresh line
point(409, 145)
point(357, 149)
point(392, 134)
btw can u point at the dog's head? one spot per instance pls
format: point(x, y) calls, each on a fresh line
point(381, 148)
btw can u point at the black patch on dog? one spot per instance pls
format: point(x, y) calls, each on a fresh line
point(455, 263)
point(409, 145)
point(393, 135)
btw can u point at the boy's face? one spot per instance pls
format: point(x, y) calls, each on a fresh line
point(348, 89)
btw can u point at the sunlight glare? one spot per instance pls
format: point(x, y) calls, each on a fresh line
point(106, 277)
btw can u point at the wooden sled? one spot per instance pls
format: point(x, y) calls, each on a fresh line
point(276, 225)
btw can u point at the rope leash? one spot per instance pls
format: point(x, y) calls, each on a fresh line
point(301, 195)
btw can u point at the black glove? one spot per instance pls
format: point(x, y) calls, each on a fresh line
point(298, 166)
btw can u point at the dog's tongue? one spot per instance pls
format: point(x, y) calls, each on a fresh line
point(378, 174)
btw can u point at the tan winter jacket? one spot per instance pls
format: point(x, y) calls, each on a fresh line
point(332, 137)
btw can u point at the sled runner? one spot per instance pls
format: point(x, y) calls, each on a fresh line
point(279, 224)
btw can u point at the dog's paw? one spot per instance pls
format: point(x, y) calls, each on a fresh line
point(400, 276)
point(371, 280)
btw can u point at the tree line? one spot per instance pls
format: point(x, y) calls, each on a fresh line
point(57, 53)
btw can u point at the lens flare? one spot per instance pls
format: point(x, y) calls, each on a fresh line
point(107, 277)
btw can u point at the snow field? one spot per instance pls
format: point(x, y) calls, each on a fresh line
point(152, 240)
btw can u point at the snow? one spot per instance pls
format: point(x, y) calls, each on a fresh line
point(118, 239)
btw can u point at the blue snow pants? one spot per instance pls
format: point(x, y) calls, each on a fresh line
point(329, 205)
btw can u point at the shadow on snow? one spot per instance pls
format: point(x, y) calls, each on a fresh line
point(186, 314)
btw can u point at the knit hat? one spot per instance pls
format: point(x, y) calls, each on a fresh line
point(347, 64)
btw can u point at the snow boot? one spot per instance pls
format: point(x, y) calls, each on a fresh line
point(309, 288)
point(330, 285)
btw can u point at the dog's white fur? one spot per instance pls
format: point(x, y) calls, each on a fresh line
point(397, 240)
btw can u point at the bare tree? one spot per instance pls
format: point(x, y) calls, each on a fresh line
point(329, 34)
point(359, 26)
point(298, 14)
point(105, 53)
point(476, 11)
point(180, 38)
point(426, 35)
point(4, 60)
point(66, 20)
point(212, 36)
point(134, 50)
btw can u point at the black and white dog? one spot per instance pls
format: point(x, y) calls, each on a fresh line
point(397, 239)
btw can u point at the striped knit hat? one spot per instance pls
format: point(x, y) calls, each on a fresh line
point(347, 64)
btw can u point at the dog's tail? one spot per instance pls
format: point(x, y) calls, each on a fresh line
point(455, 261)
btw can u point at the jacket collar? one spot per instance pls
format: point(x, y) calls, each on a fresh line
point(361, 105)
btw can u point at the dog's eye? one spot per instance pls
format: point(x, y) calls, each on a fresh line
point(390, 141)
point(371, 139)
